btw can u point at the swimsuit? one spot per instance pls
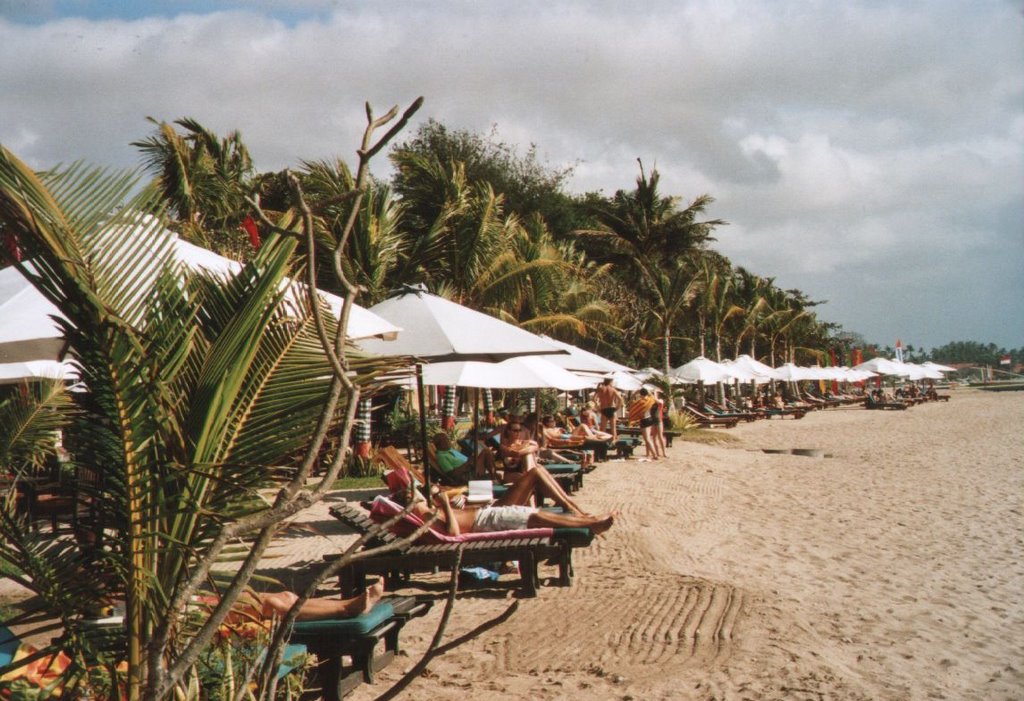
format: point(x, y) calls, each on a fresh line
point(502, 518)
point(608, 411)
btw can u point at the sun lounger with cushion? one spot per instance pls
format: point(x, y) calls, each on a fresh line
point(436, 550)
point(347, 649)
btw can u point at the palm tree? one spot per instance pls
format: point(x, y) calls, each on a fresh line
point(205, 181)
point(650, 243)
point(187, 379)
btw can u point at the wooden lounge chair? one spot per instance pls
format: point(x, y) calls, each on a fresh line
point(347, 649)
point(529, 548)
point(705, 421)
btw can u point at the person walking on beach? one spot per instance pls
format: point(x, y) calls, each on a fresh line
point(608, 401)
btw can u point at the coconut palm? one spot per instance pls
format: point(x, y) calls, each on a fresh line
point(194, 389)
point(651, 243)
point(205, 181)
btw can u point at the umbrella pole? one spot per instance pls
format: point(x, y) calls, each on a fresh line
point(423, 427)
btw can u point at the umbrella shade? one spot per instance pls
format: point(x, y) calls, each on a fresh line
point(438, 330)
point(761, 372)
point(11, 373)
point(581, 360)
point(793, 373)
point(700, 369)
point(884, 366)
point(28, 330)
point(530, 372)
point(936, 366)
point(740, 373)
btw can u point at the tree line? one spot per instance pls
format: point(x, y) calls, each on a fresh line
point(632, 276)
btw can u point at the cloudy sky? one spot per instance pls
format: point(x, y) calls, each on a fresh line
point(869, 153)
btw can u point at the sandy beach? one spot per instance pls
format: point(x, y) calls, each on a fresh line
point(890, 570)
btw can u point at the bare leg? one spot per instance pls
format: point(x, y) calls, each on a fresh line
point(523, 488)
point(484, 464)
point(321, 608)
point(547, 519)
point(652, 452)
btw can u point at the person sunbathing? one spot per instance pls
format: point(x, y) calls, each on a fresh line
point(265, 606)
point(506, 517)
point(556, 443)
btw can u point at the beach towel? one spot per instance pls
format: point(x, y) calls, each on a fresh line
point(639, 408)
point(383, 509)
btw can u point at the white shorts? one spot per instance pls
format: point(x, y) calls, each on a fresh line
point(502, 518)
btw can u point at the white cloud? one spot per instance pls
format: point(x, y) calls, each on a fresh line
point(840, 139)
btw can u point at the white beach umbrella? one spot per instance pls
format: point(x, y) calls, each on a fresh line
point(794, 373)
point(739, 373)
point(577, 359)
point(936, 366)
point(438, 330)
point(28, 330)
point(11, 373)
point(524, 372)
point(700, 369)
point(760, 370)
point(883, 366)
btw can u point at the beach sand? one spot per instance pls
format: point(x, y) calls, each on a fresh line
point(891, 570)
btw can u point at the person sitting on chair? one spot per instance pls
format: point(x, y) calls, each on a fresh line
point(518, 451)
point(455, 465)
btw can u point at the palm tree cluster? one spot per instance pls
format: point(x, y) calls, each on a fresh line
point(631, 276)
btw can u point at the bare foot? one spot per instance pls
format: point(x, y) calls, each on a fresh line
point(366, 601)
point(603, 524)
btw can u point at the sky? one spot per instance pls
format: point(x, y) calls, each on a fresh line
point(869, 153)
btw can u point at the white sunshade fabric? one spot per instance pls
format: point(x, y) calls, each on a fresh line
point(884, 366)
point(11, 373)
point(437, 330)
point(936, 366)
point(524, 372)
point(700, 369)
point(761, 372)
point(29, 332)
point(577, 359)
point(794, 373)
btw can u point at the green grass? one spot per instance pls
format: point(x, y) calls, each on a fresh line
point(364, 482)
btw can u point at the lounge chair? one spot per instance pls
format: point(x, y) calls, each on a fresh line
point(346, 648)
point(437, 550)
point(705, 421)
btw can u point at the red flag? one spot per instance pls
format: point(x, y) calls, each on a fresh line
point(249, 226)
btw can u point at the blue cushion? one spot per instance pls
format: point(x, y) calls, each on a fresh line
point(293, 656)
point(360, 625)
point(561, 468)
point(8, 645)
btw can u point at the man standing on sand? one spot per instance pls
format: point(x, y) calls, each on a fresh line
point(608, 401)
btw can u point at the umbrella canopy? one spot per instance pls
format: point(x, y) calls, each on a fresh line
point(761, 372)
point(740, 373)
point(700, 369)
point(936, 366)
point(28, 330)
point(438, 330)
point(37, 370)
point(581, 360)
point(794, 373)
point(884, 366)
point(528, 372)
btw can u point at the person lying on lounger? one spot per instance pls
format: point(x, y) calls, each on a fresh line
point(506, 517)
point(263, 606)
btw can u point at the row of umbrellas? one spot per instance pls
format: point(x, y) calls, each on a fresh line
point(747, 369)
